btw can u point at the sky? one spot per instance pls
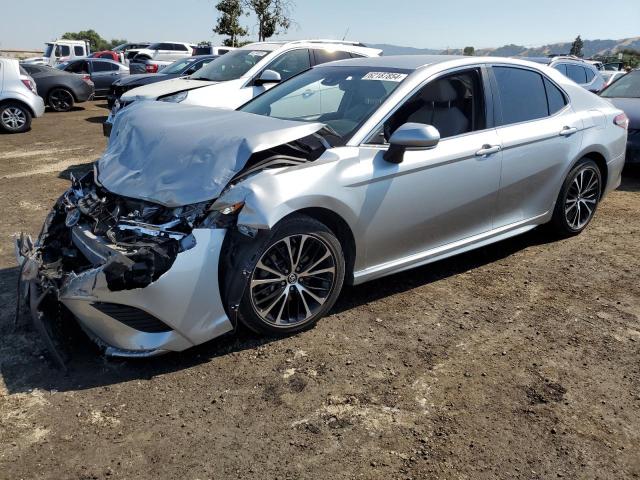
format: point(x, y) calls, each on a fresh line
point(416, 23)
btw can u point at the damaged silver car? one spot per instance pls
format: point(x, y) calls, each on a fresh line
point(196, 219)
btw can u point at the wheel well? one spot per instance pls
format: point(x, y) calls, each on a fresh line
point(601, 162)
point(12, 100)
point(341, 230)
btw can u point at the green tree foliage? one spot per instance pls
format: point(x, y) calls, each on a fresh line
point(576, 47)
point(229, 21)
point(96, 42)
point(273, 16)
point(469, 51)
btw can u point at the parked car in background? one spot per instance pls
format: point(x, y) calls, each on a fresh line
point(211, 50)
point(611, 76)
point(19, 100)
point(130, 50)
point(201, 218)
point(240, 75)
point(102, 72)
point(580, 71)
point(60, 90)
point(60, 51)
point(148, 66)
point(164, 51)
point(625, 95)
point(179, 68)
point(108, 54)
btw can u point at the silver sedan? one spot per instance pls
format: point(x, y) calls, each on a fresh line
point(196, 219)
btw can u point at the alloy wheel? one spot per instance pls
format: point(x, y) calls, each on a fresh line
point(582, 198)
point(292, 280)
point(61, 100)
point(13, 118)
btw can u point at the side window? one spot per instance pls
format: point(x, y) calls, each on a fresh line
point(325, 56)
point(114, 67)
point(78, 51)
point(453, 104)
point(576, 73)
point(555, 97)
point(101, 66)
point(180, 47)
point(165, 46)
point(78, 67)
point(590, 74)
point(291, 63)
point(65, 51)
point(562, 68)
point(522, 94)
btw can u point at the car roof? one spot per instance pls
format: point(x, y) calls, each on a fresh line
point(407, 62)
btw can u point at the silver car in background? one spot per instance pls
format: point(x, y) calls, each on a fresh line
point(197, 218)
point(19, 100)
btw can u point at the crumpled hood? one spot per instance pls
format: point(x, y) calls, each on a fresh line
point(165, 87)
point(177, 155)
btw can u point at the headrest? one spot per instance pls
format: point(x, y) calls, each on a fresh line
point(439, 91)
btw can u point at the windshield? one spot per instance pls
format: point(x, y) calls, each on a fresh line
point(178, 66)
point(340, 97)
point(627, 86)
point(230, 66)
point(47, 52)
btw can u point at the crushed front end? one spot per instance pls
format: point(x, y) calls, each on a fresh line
point(140, 278)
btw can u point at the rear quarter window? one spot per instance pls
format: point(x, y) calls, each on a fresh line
point(577, 73)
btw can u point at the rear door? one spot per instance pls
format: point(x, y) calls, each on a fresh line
point(103, 75)
point(539, 133)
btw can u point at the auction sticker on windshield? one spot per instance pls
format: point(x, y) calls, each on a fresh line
point(385, 76)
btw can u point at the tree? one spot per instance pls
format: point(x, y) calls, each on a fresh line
point(576, 47)
point(96, 42)
point(229, 21)
point(469, 51)
point(273, 16)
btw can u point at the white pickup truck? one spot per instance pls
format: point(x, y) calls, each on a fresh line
point(60, 51)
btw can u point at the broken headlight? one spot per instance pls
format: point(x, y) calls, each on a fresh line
point(176, 97)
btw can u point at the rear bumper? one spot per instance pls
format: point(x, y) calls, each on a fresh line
point(186, 299)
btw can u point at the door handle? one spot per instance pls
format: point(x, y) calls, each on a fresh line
point(566, 131)
point(488, 150)
point(307, 93)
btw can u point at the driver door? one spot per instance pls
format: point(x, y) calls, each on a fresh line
point(434, 198)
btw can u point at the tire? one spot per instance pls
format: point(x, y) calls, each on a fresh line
point(60, 99)
point(278, 300)
point(578, 199)
point(14, 117)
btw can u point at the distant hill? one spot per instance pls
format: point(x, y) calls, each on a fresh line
point(591, 48)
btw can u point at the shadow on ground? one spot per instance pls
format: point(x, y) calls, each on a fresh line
point(100, 119)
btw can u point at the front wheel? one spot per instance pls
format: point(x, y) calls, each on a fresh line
point(297, 275)
point(15, 117)
point(578, 199)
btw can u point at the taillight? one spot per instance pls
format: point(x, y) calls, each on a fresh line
point(29, 84)
point(622, 121)
point(87, 79)
point(151, 68)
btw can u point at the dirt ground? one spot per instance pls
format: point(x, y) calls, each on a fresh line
point(520, 360)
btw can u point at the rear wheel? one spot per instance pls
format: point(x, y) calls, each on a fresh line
point(578, 199)
point(15, 117)
point(297, 276)
point(60, 100)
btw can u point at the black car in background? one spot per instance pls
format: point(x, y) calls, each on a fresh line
point(625, 94)
point(179, 68)
point(103, 72)
point(60, 90)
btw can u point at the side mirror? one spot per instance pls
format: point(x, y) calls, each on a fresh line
point(268, 76)
point(411, 136)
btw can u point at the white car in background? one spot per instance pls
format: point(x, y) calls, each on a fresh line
point(19, 100)
point(240, 75)
point(165, 52)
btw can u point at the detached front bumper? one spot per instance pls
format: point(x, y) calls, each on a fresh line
point(180, 309)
